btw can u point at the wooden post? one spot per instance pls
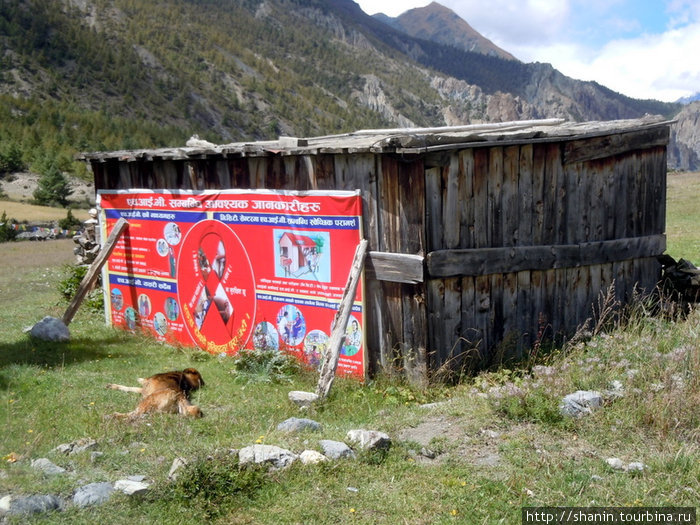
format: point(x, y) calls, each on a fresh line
point(330, 362)
point(91, 276)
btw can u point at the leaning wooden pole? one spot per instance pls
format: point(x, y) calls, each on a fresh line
point(330, 361)
point(91, 276)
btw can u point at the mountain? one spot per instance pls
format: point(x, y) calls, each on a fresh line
point(78, 75)
point(440, 24)
point(689, 99)
point(684, 146)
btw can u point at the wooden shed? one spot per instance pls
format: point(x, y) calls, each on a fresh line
point(482, 239)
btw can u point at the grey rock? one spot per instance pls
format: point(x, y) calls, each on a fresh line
point(178, 463)
point(302, 399)
point(266, 454)
point(427, 453)
point(50, 329)
point(136, 478)
point(47, 467)
point(336, 449)
point(76, 447)
point(93, 494)
point(580, 403)
point(31, 504)
point(295, 424)
point(369, 439)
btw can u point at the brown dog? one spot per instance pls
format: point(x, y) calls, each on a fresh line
point(167, 393)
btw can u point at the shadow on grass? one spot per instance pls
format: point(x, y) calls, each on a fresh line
point(29, 351)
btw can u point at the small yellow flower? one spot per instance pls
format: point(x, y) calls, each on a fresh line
point(29, 431)
point(11, 458)
point(92, 403)
point(352, 510)
point(464, 483)
point(453, 512)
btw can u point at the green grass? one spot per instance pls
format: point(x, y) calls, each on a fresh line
point(500, 440)
point(683, 217)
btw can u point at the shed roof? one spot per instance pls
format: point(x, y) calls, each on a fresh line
point(399, 140)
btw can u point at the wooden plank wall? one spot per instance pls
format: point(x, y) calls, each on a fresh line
point(519, 240)
point(533, 243)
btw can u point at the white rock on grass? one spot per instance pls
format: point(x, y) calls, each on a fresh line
point(369, 439)
point(131, 487)
point(178, 463)
point(311, 457)
point(302, 399)
point(636, 466)
point(618, 464)
point(615, 463)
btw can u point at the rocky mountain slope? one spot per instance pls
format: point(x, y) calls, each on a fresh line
point(440, 24)
point(256, 69)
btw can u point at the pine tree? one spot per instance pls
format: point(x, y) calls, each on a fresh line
point(53, 188)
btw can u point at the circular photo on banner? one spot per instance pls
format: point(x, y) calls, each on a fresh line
point(171, 309)
point(266, 337)
point(216, 287)
point(117, 299)
point(160, 325)
point(315, 346)
point(291, 325)
point(172, 233)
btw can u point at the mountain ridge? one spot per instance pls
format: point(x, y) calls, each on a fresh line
point(117, 74)
point(440, 24)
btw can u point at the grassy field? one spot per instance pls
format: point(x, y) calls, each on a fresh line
point(683, 216)
point(499, 440)
point(21, 212)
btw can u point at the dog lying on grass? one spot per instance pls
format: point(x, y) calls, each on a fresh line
point(167, 393)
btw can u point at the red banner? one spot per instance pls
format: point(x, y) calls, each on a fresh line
point(232, 269)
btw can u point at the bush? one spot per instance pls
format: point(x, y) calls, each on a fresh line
point(70, 222)
point(209, 485)
point(68, 286)
point(7, 233)
point(265, 366)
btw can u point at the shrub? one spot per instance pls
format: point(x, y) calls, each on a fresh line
point(70, 222)
point(265, 366)
point(68, 286)
point(211, 485)
point(7, 233)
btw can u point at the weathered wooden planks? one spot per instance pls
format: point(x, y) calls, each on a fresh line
point(477, 249)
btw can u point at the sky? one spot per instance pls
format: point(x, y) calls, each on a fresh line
point(647, 49)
